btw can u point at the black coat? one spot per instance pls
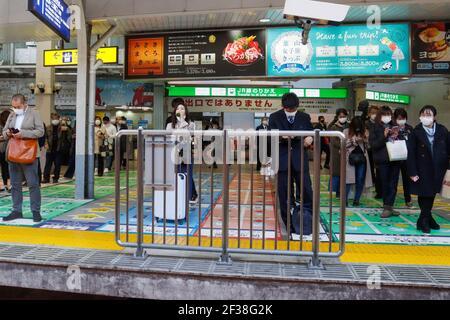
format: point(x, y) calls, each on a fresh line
point(430, 167)
point(377, 142)
point(302, 121)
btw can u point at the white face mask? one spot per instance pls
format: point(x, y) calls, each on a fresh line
point(386, 119)
point(18, 112)
point(113, 121)
point(69, 122)
point(265, 122)
point(401, 122)
point(342, 120)
point(290, 114)
point(373, 116)
point(55, 122)
point(427, 120)
point(97, 122)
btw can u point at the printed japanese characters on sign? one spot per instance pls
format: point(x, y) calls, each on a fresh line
point(145, 57)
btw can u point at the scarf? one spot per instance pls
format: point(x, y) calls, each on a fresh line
point(430, 134)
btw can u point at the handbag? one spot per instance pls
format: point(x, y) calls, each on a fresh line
point(397, 150)
point(22, 151)
point(356, 157)
point(445, 193)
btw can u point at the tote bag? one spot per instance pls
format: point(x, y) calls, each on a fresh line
point(22, 151)
point(397, 150)
point(445, 193)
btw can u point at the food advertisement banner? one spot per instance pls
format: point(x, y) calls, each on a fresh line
point(431, 48)
point(232, 53)
point(339, 51)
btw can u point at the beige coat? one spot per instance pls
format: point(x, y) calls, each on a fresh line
point(100, 135)
point(32, 126)
point(350, 170)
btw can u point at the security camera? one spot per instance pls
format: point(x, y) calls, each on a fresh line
point(57, 87)
point(305, 13)
point(31, 86)
point(41, 86)
point(323, 12)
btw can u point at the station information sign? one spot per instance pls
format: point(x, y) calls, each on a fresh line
point(69, 57)
point(54, 14)
point(388, 97)
point(255, 92)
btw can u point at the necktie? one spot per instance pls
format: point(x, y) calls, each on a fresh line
point(291, 119)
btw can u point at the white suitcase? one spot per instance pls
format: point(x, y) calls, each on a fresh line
point(170, 200)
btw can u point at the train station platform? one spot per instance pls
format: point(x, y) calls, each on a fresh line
point(89, 224)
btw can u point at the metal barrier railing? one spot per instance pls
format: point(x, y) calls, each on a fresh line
point(167, 166)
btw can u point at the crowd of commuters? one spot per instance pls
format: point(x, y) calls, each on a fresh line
point(373, 137)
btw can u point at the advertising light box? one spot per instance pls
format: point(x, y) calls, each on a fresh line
point(53, 13)
point(347, 50)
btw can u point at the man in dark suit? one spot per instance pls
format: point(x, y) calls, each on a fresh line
point(289, 118)
point(263, 126)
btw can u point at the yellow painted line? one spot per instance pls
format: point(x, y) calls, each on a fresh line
point(354, 253)
point(59, 238)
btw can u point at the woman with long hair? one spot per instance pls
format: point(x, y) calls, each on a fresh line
point(383, 131)
point(358, 165)
point(181, 121)
point(428, 161)
point(340, 124)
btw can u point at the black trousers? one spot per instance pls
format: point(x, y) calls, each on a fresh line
point(406, 182)
point(52, 158)
point(375, 175)
point(100, 161)
point(426, 205)
point(5, 168)
point(71, 168)
point(283, 192)
point(325, 148)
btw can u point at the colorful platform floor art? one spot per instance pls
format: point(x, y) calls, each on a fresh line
point(363, 224)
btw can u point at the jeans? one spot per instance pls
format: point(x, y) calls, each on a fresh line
point(360, 180)
point(18, 172)
point(109, 162)
point(183, 168)
point(389, 174)
point(336, 185)
point(5, 169)
point(52, 158)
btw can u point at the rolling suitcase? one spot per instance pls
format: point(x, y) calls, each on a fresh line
point(170, 200)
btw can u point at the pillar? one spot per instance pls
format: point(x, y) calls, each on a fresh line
point(159, 106)
point(45, 102)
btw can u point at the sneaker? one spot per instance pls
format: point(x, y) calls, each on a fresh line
point(409, 204)
point(193, 200)
point(37, 217)
point(106, 170)
point(13, 216)
point(395, 213)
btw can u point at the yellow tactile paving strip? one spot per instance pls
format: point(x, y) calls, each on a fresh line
point(355, 253)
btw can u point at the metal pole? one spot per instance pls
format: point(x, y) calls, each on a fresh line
point(83, 34)
point(225, 257)
point(140, 252)
point(93, 66)
point(315, 262)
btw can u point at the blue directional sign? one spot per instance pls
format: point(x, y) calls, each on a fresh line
point(53, 13)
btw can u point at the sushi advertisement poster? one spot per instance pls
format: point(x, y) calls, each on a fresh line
point(230, 53)
point(339, 51)
point(431, 48)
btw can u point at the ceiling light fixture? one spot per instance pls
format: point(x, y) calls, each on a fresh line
point(264, 20)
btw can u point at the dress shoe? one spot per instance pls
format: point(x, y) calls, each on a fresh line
point(37, 217)
point(409, 204)
point(395, 213)
point(356, 203)
point(13, 216)
point(378, 196)
point(423, 224)
point(387, 212)
point(433, 224)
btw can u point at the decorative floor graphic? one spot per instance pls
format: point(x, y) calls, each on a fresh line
point(365, 225)
point(50, 208)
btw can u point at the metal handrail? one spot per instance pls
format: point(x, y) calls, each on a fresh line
point(225, 250)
